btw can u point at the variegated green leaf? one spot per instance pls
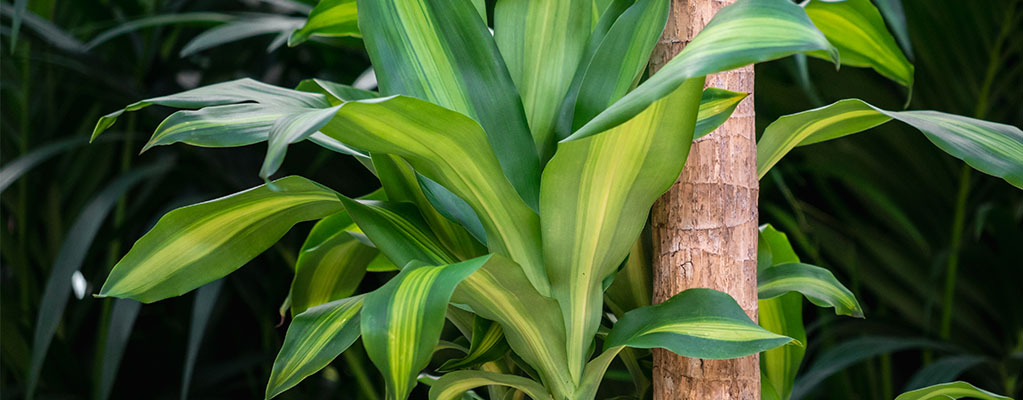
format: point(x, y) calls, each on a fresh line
point(633, 286)
point(291, 128)
point(330, 18)
point(620, 58)
point(243, 28)
point(992, 148)
point(596, 195)
point(402, 320)
point(330, 265)
point(488, 344)
point(451, 386)
point(716, 107)
point(198, 244)
point(856, 28)
point(452, 150)
point(542, 43)
point(402, 184)
point(951, 390)
point(314, 339)
point(815, 283)
point(782, 315)
point(743, 33)
point(443, 52)
point(237, 91)
point(499, 291)
point(699, 323)
point(336, 93)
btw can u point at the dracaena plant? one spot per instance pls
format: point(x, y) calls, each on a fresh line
point(518, 167)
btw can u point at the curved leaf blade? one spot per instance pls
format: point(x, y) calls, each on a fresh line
point(443, 52)
point(716, 106)
point(951, 390)
point(452, 385)
point(330, 18)
point(746, 32)
point(700, 323)
point(314, 339)
point(487, 345)
point(452, 150)
point(402, 320)
point(330, 269)
point(542, 43)
point(782, 315)
point(992, 148)
point(856, 28)
point(596, 195)
point(198, 244)
point(815, 283)
point(239, 30)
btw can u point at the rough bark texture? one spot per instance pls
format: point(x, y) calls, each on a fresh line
point(705, 226)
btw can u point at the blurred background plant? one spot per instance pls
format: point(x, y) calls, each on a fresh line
point(931, 249)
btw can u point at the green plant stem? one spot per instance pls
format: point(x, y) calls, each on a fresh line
point(952, 268)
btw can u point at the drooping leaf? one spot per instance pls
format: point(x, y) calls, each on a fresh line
point(452, 385)
point(951, 390)
point(992, 148)
point(12, 170)
point(895, 16)
point(70, 257)
point(782, 315)
point(716, 106)
point(815, 283)
point(856, 28)
point(205, 299)
point(315, 337)
point(42, 27)
point(332, 268)
point(700, 323)
point(542, 43)
point(743, 33)
point(336, 93)
point(16, 17)
point(242, 29)
point(620, 58)
point(398, 231)
point(198, 244)
point(596, 196)
point(133, 25)
point(452, 150)
point(330, 18)
point(442, 52)
point(402, 320)
point(487, 345)
point(290, 129)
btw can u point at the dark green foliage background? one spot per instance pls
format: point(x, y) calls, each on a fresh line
point(877, 209)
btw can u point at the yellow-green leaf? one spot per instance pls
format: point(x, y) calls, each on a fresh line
point(951, 390)
point(451, 386)
point(198, 244)
point(330, 18)
point(332, 268)
point(856, 28)
point(815, 283)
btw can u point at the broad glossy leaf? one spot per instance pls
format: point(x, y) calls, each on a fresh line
point(716, 106)
point(242, 29)
point(315, 337)
point(542, 43)
point(237, 91)
point(782, 315)
point(403, 184)
point(499, 291)
point(402, 320)
point(815, 283)
point(70, 257)
point(453, 207)
point(856, 28)
point(895, 16)
point(289, 129)
point(620, 58)
point(746, 32)
point(596, 196)
point(699, 323)
point(487, 345)
point(452, 385)
point(452, 150)
point(330, 18)
point(992, 148)
point(331, 268)
point(336, 93)
point(198, 244)
point(442, 52)
point(951, 390)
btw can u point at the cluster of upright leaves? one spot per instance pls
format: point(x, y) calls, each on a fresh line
point(518, 170)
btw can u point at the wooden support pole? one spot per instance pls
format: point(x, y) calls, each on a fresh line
point(705, 226)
